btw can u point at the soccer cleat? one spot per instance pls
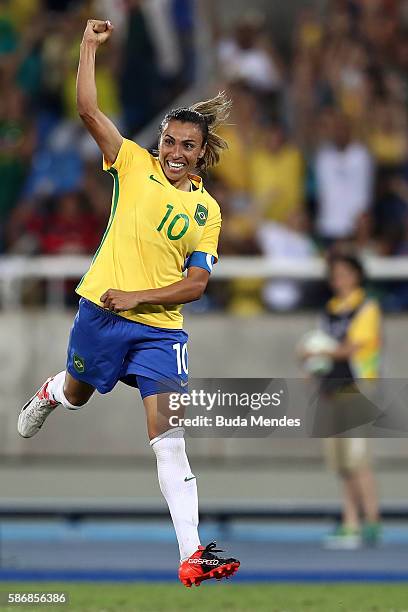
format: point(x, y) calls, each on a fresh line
point(203, 565)
point(35, 411)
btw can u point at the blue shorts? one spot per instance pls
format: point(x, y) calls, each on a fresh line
point(105, 347)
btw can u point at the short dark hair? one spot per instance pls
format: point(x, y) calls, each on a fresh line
point(350, 260)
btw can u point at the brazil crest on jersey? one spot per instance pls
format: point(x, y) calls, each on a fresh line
point(152, 229)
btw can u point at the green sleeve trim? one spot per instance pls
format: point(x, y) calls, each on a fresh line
point(114, 173)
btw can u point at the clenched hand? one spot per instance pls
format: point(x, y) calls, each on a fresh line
point(97, 32)
point(117, 301)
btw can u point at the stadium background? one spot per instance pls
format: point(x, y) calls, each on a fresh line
point(296, 72)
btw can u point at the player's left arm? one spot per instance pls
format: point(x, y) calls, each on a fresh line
point(188, 289)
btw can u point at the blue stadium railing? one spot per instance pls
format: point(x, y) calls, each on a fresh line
point(392, 512)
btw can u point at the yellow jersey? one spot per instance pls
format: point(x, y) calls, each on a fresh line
point(361, 319)
point(153, 227)
point(277, 182)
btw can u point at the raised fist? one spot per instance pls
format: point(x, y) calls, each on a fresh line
point(97, 32)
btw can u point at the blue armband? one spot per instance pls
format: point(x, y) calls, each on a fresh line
point(199, 259)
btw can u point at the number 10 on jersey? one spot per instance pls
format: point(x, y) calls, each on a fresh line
point(182, 226)
point(181, 356)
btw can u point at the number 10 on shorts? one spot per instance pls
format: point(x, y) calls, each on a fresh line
point(181, 356)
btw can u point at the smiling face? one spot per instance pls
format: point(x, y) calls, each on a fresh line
point(180, 148)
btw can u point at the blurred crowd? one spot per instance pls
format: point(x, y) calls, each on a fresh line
point(318, 157)
point(54, 199)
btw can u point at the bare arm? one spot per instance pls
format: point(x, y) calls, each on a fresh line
point(186, 290)
point(97, 123)
point(345, 350)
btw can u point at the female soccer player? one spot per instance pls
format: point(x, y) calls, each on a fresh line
point(129, 326)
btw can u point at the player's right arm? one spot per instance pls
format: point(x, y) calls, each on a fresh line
point(106, 134)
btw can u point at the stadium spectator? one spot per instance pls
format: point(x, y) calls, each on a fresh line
point(239, 225)
point(353, 320)
point(387, 134)
point(243, 135)
point(305, 94)
point(232, 185)
point(248, 55)
point(56, 56)
point(304, 88)
point(139, 103)
point(184, 21)
point(17, 141)
point(56, 225)
point(241, 296)
point(344, 176)
point(160, 21)
point(276, 175)
point(71, 228)
point(24, 228)
point(289, 241)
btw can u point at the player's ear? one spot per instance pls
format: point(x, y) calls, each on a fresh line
point(202, 152)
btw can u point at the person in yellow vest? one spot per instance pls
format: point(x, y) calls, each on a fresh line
point(129, 326)
point(354, 320)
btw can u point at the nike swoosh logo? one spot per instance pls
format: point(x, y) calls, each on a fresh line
point(187, 478)
point(183, 384)
point(155, 180)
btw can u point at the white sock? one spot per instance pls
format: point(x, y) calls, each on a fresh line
point(56, 390)
point(181, 495)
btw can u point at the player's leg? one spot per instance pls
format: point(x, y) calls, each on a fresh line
point(158, 364)
point(56, 390)
point(94, 359)
point(179, 487)
point(158, 360)
point(72, 393)
point(177, 482)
